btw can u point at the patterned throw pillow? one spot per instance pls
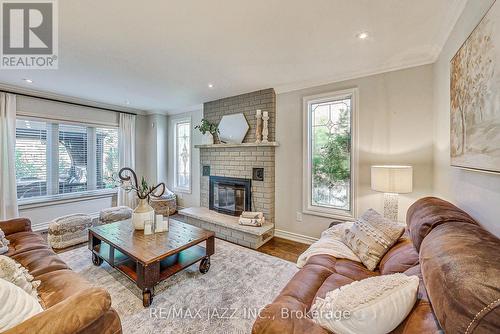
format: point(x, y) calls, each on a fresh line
point(13, 272)
point(375, 305)
point(371, 236)
point(4, 243)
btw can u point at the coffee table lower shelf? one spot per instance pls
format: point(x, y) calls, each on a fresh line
point(146, 276)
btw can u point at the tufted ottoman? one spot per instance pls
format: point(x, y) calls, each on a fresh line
point(69, 230)
point(114, 214)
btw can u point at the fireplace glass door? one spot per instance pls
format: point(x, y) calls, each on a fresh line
point(230, 195)
point(229, 198)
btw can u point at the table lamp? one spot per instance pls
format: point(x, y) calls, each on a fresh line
point(392, 180)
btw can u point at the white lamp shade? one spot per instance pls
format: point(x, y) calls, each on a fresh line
point(392, 179)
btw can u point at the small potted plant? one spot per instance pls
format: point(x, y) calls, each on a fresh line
point(211, 128)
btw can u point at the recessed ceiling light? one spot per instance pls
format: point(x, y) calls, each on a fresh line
point(28, 80)
point(362, 35)
point(210, 85)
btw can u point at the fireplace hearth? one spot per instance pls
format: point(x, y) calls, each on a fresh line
point(230, 195)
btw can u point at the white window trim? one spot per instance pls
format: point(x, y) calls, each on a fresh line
point(176, 188)
point(307, 206)
point(42, 201)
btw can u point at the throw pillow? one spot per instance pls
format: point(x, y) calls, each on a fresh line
point(375, 305)
point(16, 307)
point(4, 243)
point(371, 236)
point(13, 272)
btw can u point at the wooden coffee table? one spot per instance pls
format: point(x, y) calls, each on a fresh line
point(149, 259)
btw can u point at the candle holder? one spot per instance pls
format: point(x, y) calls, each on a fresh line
point(258, 128)
point(265, 130)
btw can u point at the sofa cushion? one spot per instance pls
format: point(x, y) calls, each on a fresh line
point(399, 258)
point(346, 272)
point(25, 241)
point(460, 263)
point(40, 261)
point(59, 285)
point(429, 212)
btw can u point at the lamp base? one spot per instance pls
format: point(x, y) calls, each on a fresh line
point(391, 206)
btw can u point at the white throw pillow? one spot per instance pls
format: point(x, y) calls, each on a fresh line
point(16, 306)
point(375, 305)
point(14, 272)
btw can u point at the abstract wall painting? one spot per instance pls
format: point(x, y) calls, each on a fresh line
point(475, 98)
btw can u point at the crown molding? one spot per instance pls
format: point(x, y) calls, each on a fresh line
point(349, 76)
point(70, 99)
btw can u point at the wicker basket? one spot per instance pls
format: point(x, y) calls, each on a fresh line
point(164, 205)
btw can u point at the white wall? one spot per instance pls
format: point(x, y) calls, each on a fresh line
point(151, 148)
point(475, 192)
point(186, 199)
point(395, 126)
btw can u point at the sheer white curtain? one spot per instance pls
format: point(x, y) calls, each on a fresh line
point(8, 192)
point(126, 142)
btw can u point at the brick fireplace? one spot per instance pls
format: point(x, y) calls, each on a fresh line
point(239, 160)
point(246, 163)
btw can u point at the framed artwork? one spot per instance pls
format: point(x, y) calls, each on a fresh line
point(475, 97)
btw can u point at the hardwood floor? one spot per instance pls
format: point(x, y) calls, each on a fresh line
point(283, 248)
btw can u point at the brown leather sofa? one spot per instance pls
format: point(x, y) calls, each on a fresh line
point(458, 263)
point(71, 304)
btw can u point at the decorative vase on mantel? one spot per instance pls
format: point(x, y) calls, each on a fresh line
point(143, 212)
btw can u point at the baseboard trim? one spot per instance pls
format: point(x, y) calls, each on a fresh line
point(294, 237)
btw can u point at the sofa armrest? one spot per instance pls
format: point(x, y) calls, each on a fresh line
point(72, 315)
point(15, 225)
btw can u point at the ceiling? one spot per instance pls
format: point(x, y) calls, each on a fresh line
point(160, 55)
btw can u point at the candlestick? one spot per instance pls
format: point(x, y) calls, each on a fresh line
point(258, 128)
point(265, 130)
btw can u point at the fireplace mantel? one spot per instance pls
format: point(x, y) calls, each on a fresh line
point(242, 145)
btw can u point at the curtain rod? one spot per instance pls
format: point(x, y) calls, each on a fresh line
point(62, 101)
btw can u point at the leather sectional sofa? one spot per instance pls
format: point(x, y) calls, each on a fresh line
point(71, 304)
point(458, 263)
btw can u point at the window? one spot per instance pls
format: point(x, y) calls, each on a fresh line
point(54, 159)
point(182, 165)
point(330, 154)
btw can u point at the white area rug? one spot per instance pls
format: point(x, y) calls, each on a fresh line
point(224, 300)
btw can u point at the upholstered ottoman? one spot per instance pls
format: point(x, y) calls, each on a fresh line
point(69, 230)
point(165, 205)
point(114, 214)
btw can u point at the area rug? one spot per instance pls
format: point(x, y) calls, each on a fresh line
point(224, 300)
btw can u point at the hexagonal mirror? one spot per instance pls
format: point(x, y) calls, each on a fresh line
point(233, 128)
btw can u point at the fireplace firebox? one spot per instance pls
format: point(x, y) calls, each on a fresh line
point(230, 195)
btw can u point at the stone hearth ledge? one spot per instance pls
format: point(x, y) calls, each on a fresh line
point(227, 228)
